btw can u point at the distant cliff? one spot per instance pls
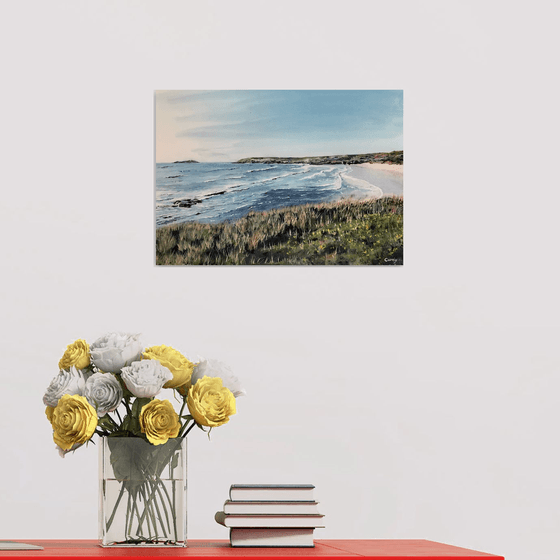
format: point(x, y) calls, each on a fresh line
point(378, 157)
point(187, 161)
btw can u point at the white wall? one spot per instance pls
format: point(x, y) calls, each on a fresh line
point(421, 401)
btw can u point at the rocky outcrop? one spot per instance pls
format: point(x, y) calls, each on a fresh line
point(187, 202)
point(187, 161)
point(378, 157)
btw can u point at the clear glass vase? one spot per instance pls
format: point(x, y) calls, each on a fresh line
point(142, 492)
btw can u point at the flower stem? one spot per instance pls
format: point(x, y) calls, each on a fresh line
point(188, 430)
point(183, 407)
point(112, 421)
point(147, 517)
point(140, 529)
point(148, 509)
point(171, 505)
point(158, 482)
point(155, 505)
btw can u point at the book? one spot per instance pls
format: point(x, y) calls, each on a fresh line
point(257, 508)
point(247, 537)
point(271, 492)
point(269, 520)
point(12, 545)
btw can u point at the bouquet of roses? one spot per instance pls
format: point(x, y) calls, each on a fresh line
point(108, 388)
point(116, 372)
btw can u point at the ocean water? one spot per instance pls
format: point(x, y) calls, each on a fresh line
point(218, 192)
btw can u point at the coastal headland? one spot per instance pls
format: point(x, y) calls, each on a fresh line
point(395, 157)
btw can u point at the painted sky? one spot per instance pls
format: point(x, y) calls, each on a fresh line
point(213, 126)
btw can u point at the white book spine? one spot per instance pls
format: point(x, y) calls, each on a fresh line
point(267, 507)
point(246, 537)
point(283, 521)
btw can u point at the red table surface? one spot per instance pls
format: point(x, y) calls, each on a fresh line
point(220, 550)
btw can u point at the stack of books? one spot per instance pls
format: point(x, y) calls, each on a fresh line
point(271, 515)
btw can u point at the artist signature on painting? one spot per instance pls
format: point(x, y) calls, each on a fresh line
point(391, 260)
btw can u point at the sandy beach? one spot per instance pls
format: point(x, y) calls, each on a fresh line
point(388, 178)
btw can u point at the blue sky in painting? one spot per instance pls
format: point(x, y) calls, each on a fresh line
point(229, 125)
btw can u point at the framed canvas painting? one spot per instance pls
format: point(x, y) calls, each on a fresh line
point(286, 177)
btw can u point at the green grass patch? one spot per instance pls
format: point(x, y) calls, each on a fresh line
point(356, 232)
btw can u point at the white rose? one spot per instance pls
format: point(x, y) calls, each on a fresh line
point(214, 368)
point(104, 392)
point(145, 379)
point(112, 352)
point(70, 381)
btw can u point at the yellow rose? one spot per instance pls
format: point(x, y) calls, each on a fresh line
point(210, 403)
point(172, 359)
point(76, 354)
point(159, 421)
point(73, 420)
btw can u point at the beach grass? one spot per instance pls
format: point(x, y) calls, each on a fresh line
point(347, 232)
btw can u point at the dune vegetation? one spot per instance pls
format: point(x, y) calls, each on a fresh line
point(350, 231)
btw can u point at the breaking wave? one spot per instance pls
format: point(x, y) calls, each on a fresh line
point(215, 192)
